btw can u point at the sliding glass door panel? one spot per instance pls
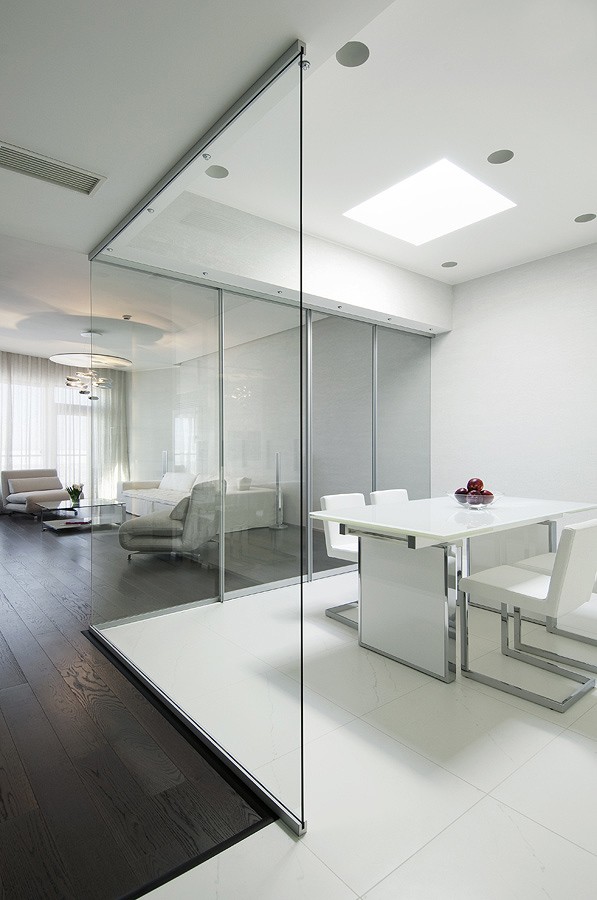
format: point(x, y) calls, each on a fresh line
point(155, 442)
point(341, 417)
point(403, 412)
point(215, 400)
point(261, 444)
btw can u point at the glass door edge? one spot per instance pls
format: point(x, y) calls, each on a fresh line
point(296, 825)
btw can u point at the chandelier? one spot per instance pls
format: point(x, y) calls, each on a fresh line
point(87, 382)
point(88, 379)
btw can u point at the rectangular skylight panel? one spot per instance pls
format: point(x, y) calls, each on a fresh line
point(439, 199)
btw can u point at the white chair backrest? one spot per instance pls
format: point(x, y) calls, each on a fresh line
point(340, 545)
point(573, 575)
point(396, 495)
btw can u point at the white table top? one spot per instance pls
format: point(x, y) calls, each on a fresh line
point(443, 520)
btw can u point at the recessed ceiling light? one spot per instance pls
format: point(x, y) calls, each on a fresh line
point(438, 200)
point(217, 172)
point(586, 217)
point(352, 54)
point(89, 333)
point(449, 265)
point(500, 156)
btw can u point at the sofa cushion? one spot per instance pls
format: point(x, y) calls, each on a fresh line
point(26, 485)
point(37, 496)
point(154, 525)
point(166, 498)
point(177, 481)
point(180, 510)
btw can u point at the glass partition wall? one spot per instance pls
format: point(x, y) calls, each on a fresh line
point(200, 291)
point(236, 413)
point(370, 416)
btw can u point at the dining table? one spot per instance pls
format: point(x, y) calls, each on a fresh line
point(411, 556)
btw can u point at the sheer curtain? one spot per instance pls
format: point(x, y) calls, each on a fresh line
point(45, 424)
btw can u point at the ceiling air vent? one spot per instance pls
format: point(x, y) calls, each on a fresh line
point(18, 160)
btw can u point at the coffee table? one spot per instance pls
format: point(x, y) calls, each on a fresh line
point(86, 513)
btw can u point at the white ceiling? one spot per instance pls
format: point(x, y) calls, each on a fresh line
point(124, 89)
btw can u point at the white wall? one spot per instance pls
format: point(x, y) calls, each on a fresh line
point(514, 385)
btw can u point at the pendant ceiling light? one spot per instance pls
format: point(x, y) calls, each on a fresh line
point(87, 382)
point(88, 379)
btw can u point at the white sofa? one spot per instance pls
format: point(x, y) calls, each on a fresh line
point(24, 489)
point(254, 507)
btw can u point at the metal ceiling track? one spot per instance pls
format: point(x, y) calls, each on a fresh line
point(282, 63)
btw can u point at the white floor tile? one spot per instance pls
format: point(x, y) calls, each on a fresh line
point(477, 737)
point(268, 625)
point(359, 680)
point(371, 802)
point(493, 853)
point(177, 651)
point(269, 865)
point(258, 719)
point(557, 789)
point(587, 724)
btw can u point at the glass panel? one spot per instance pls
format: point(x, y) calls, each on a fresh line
point(341, 417)
point(261, 444)
point(403, 412)
point(234, 668)
point(155, 434)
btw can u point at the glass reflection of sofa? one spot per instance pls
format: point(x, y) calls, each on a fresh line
point(254, 507)
point(184, 529)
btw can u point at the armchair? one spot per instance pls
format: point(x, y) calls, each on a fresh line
point(186, 529)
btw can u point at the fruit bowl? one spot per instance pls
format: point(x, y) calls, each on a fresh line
point(474, 501)
point(474, 496)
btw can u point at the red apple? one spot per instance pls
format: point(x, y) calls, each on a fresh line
point(487, 497)
point(461, 495)
point(474, 484)
point(474, 498)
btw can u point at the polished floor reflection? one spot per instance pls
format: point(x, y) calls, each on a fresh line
point(420, 789)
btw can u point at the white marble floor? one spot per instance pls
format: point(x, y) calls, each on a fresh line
point(414, 788)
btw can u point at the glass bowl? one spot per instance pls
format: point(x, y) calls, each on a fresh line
point(474, 501)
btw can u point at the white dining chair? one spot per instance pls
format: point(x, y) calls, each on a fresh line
point(569, 586)
point(543, 564)
point(393, 495)
point(341, 546)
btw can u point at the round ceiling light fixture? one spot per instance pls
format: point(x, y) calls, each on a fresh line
point(449, 265)
point(91, 360)
point(500, 156)
point(352, 54)
point(586, 217)
point(217, 172)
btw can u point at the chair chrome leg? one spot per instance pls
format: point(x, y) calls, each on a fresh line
point(336, 612)
point(586, 684)
point(548, 654)
point(553, 628)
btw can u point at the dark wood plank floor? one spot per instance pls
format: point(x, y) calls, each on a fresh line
point(100, 794)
